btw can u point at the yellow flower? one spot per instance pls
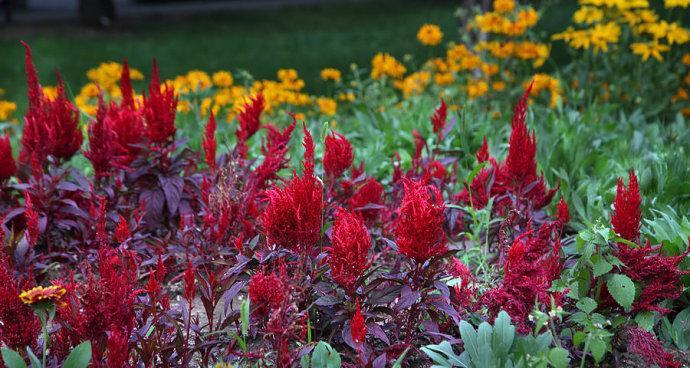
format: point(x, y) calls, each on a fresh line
point(477, 88)
point(383, 65)
point(443, 79)
point(50, 92)
point(300, 116)
point(414, 83)
point(430, 35)
point(532, 51)
point(504, 6)
point(588, 15)
point(677, 34)
point(668, 4)
point(7, 108)
point(347, 96)
point(647, 49)
point(285, 75)
point(681, 95)
point(198, 80)
point(222, 78)
point(327, 106)
point(528, 17)
point(184, 106)
point(40, 294)
point(498, 86)
point(330, 74)
point(491, 22)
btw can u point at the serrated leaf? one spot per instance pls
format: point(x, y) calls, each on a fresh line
point(601, 267)
point(598, 349)
point(559, 357)
point(587, 305)
point(622, 289)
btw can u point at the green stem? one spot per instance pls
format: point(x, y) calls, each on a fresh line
point(584, 351)
point(45, 341)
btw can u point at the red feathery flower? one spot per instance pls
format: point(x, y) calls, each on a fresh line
point(292, 218)
point(438, 120)
point(368, 195)
point(275, 156)
point(626, 209)
point(466, 290)
point(483, 153)
point(250, 118)
point(521, 164)
point(102, 144)
point(358, 328)
point(337, 156)
point(68, 137)
point(32, 230)
point(118, 349)
point(645, 345)
point(266, 292)
point(126, 125)
point(20, 326)
point(101, 230)
point(419, 230)
point(7, 166)
point(126, 89)
point(122, 232)
point(159, 110)
point(350, 249)
point(189, 288)
point(563, 212)
point(209, 143)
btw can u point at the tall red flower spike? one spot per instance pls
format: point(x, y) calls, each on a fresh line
point(369, 194)
point(358, 328)
point(159, 110)
point(122, 232)
point(308, 162)
point(626, 209)
point(438, 120)
point(521, 164)
point(483, 153)
point(338, 155)
point(209, 143)
point(189, 287)
point(419, 230)
point(32, 230)
point(266, 292)
point(126, 87)
point(102, 149)
point(7, 165)
point(563, 212)
point(351, 242)
point(249, 118)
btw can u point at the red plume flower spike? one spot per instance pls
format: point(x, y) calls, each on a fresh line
point(189, 288)
point(350, 249)
point(209, 143)
point(101, 143)
point(370, 193)
point(563, 212)
point(438, 120)
point(32, 230)
point(483, 153)
point(65, 116)
point(626, 209)
point(521, 164)
point(122, 232)
point(358, 328)
point(7, 165)
point(646, 345)
point(20, 326)
point(126, 87)
point(308, 144)
point(419, 230)
point(250, 118)
point(159, 110)
point(266, 292)
point(338, 155)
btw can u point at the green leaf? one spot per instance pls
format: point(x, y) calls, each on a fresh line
point(398, 362)
point(80, 356)
point(598, 349)
point(622, 290)
point(645, 320)
point(681, 326)
point(601, 267)
point(12, 359)
point(33, 358)
point(324, 356)
point(504, 334)
point(587, 305)
point(559, 357)
point(244, 312)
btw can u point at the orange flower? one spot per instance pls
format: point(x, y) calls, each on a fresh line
point(40, 294)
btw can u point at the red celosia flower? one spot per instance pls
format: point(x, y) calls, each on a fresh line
point(438, 120)
point(626, 209)
point(209, 143)
point(370, 194)
point(189, 287)
point(349, 250)
point(101, 222)
point(249, 118)
point(103, 147)
point(118, 349)
point(31, 215)
point(159, 110)
point(7, 166)
point(419, 230)
point(126, 125)
point(646, 345)
point(292, 218)
point(531, 266)
point(126, 89)
point(466, 290)
point(275, 156)
point(419, 144)
point(483, 153)
point(337, 155)
point(266, 292)
point(20, 326)
point(358, 327)
point(122, 232)
point(563, 212)
point(51, 126)
point(521, 164)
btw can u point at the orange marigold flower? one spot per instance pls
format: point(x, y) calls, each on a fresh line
point(42, 294)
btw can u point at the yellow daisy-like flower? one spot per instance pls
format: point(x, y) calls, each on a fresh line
point(430, 35)
point(588, 15)
point(668, 4)
point(383, 65)
point(222, 78)
point(477, 88)
point(327, 106)
point(330, 74)
point(7, 108)
point(647, 49)
point(504, 6)
point(41, 294)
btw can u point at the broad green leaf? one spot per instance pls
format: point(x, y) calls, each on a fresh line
point(587, 305)
point(324, 356)
point(598, 349)
point(559, 357)
point(601, 267)
point(645, 320)
point(80, 356)
point(622, 290)
point(12, 359)
point(681, 327)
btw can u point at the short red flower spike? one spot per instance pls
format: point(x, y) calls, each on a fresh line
point(563, 212)
point(7, 165)
point(369, 194)
point(209, 143)
point(438, 120)
point(350, 249)
point(646, 345)
point(358, 328)
point(627, 209)
point(249, 118)
point(338, 155)
point(419, 230)
point(122, 232)
point(266, 292)
point(483, 153)
point(32, 230)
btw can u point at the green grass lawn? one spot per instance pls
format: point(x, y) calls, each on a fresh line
point(305, 38)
